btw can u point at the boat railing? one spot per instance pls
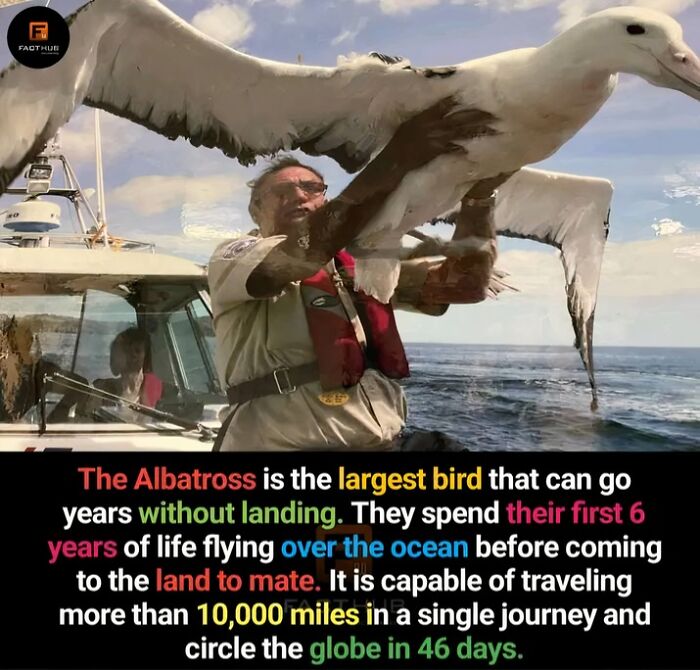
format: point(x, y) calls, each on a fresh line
point(92, 240)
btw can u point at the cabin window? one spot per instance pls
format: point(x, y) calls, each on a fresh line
point(75, 337)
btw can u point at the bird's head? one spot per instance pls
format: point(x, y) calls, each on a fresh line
point(644, 42)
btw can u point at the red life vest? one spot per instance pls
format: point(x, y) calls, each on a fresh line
point(341, 359)
point(151, 389)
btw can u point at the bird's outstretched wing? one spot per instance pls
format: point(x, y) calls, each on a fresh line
point(570, 213)
point(139, 60)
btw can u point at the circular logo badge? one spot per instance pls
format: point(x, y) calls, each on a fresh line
point(325, 301)
point(38, 37)
point(334, 398)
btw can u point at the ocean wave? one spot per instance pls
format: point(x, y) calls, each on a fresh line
point(527, 398)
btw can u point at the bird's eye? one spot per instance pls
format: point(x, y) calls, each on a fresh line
point(636, 29)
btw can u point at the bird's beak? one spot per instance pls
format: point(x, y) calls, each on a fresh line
point(679, 69)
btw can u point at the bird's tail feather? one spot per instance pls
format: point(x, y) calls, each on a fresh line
point(497, 284)
point(377, 277)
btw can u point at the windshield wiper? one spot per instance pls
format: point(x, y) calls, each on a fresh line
point(73, 385)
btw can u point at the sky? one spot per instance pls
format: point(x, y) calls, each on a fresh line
point(645, 139)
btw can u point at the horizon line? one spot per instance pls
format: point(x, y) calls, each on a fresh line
point(554, 346)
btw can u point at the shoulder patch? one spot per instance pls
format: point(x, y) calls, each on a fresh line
point(237, 247)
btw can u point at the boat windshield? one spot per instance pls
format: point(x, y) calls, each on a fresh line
point(150, 343)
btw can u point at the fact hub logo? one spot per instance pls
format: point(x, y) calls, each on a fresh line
point(38, 37)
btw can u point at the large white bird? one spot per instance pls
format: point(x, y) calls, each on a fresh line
point(137, 59)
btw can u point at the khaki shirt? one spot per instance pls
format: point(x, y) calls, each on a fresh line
point(256, 336)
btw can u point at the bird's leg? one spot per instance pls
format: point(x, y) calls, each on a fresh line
point(475, 218)
point(467, 275)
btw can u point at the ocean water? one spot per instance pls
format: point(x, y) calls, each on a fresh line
point(538, 398)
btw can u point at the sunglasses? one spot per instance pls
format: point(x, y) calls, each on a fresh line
point(312, 188)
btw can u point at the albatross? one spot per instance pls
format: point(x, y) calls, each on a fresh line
point(139, 60)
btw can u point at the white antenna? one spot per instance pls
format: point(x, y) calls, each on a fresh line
point(101, 206)
point(53, 150)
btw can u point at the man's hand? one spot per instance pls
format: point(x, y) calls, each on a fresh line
point(467, 274)
point(464, 277)
point(418, 140)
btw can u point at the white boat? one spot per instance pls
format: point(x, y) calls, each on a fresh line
point(64, 297)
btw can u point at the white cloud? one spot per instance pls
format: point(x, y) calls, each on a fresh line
point(570, 11)
point(685, 183)
point(154, 194)
point(402, 6)
point(651, 268)
point(505, 5)
point(206, 231)
point(7, 3)
point(77, 138)
point(665, 266)
point(343, 36)
point(225, 22)
point(667, 227)
point(213, 221)
point(349, 34)
point(283, 3)
point(198, 250)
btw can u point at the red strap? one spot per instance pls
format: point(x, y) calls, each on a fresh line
point(384, 342)
point(340, 357)
point(151, 389)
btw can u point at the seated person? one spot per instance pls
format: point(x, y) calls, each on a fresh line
point(127, 359)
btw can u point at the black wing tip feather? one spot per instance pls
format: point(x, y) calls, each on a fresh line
point(176, 127)
point(6, 178)
point(71, 17)
point(350, 161)
point(449, 219)
point(583, 343)
point(439, 72)
point(583, 334)
point(546, 239)
point(606, 226)
point(428, 72)
point(216, 137)
point(388, 60)
point(9, 68)
point(9, 173)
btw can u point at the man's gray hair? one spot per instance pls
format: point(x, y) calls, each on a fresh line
point(277, 164)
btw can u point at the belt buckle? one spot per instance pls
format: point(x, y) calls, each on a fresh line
point(288, 386)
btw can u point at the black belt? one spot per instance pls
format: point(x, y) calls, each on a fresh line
point(279, 382)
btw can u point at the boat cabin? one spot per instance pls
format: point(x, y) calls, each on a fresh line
point(103, 342)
